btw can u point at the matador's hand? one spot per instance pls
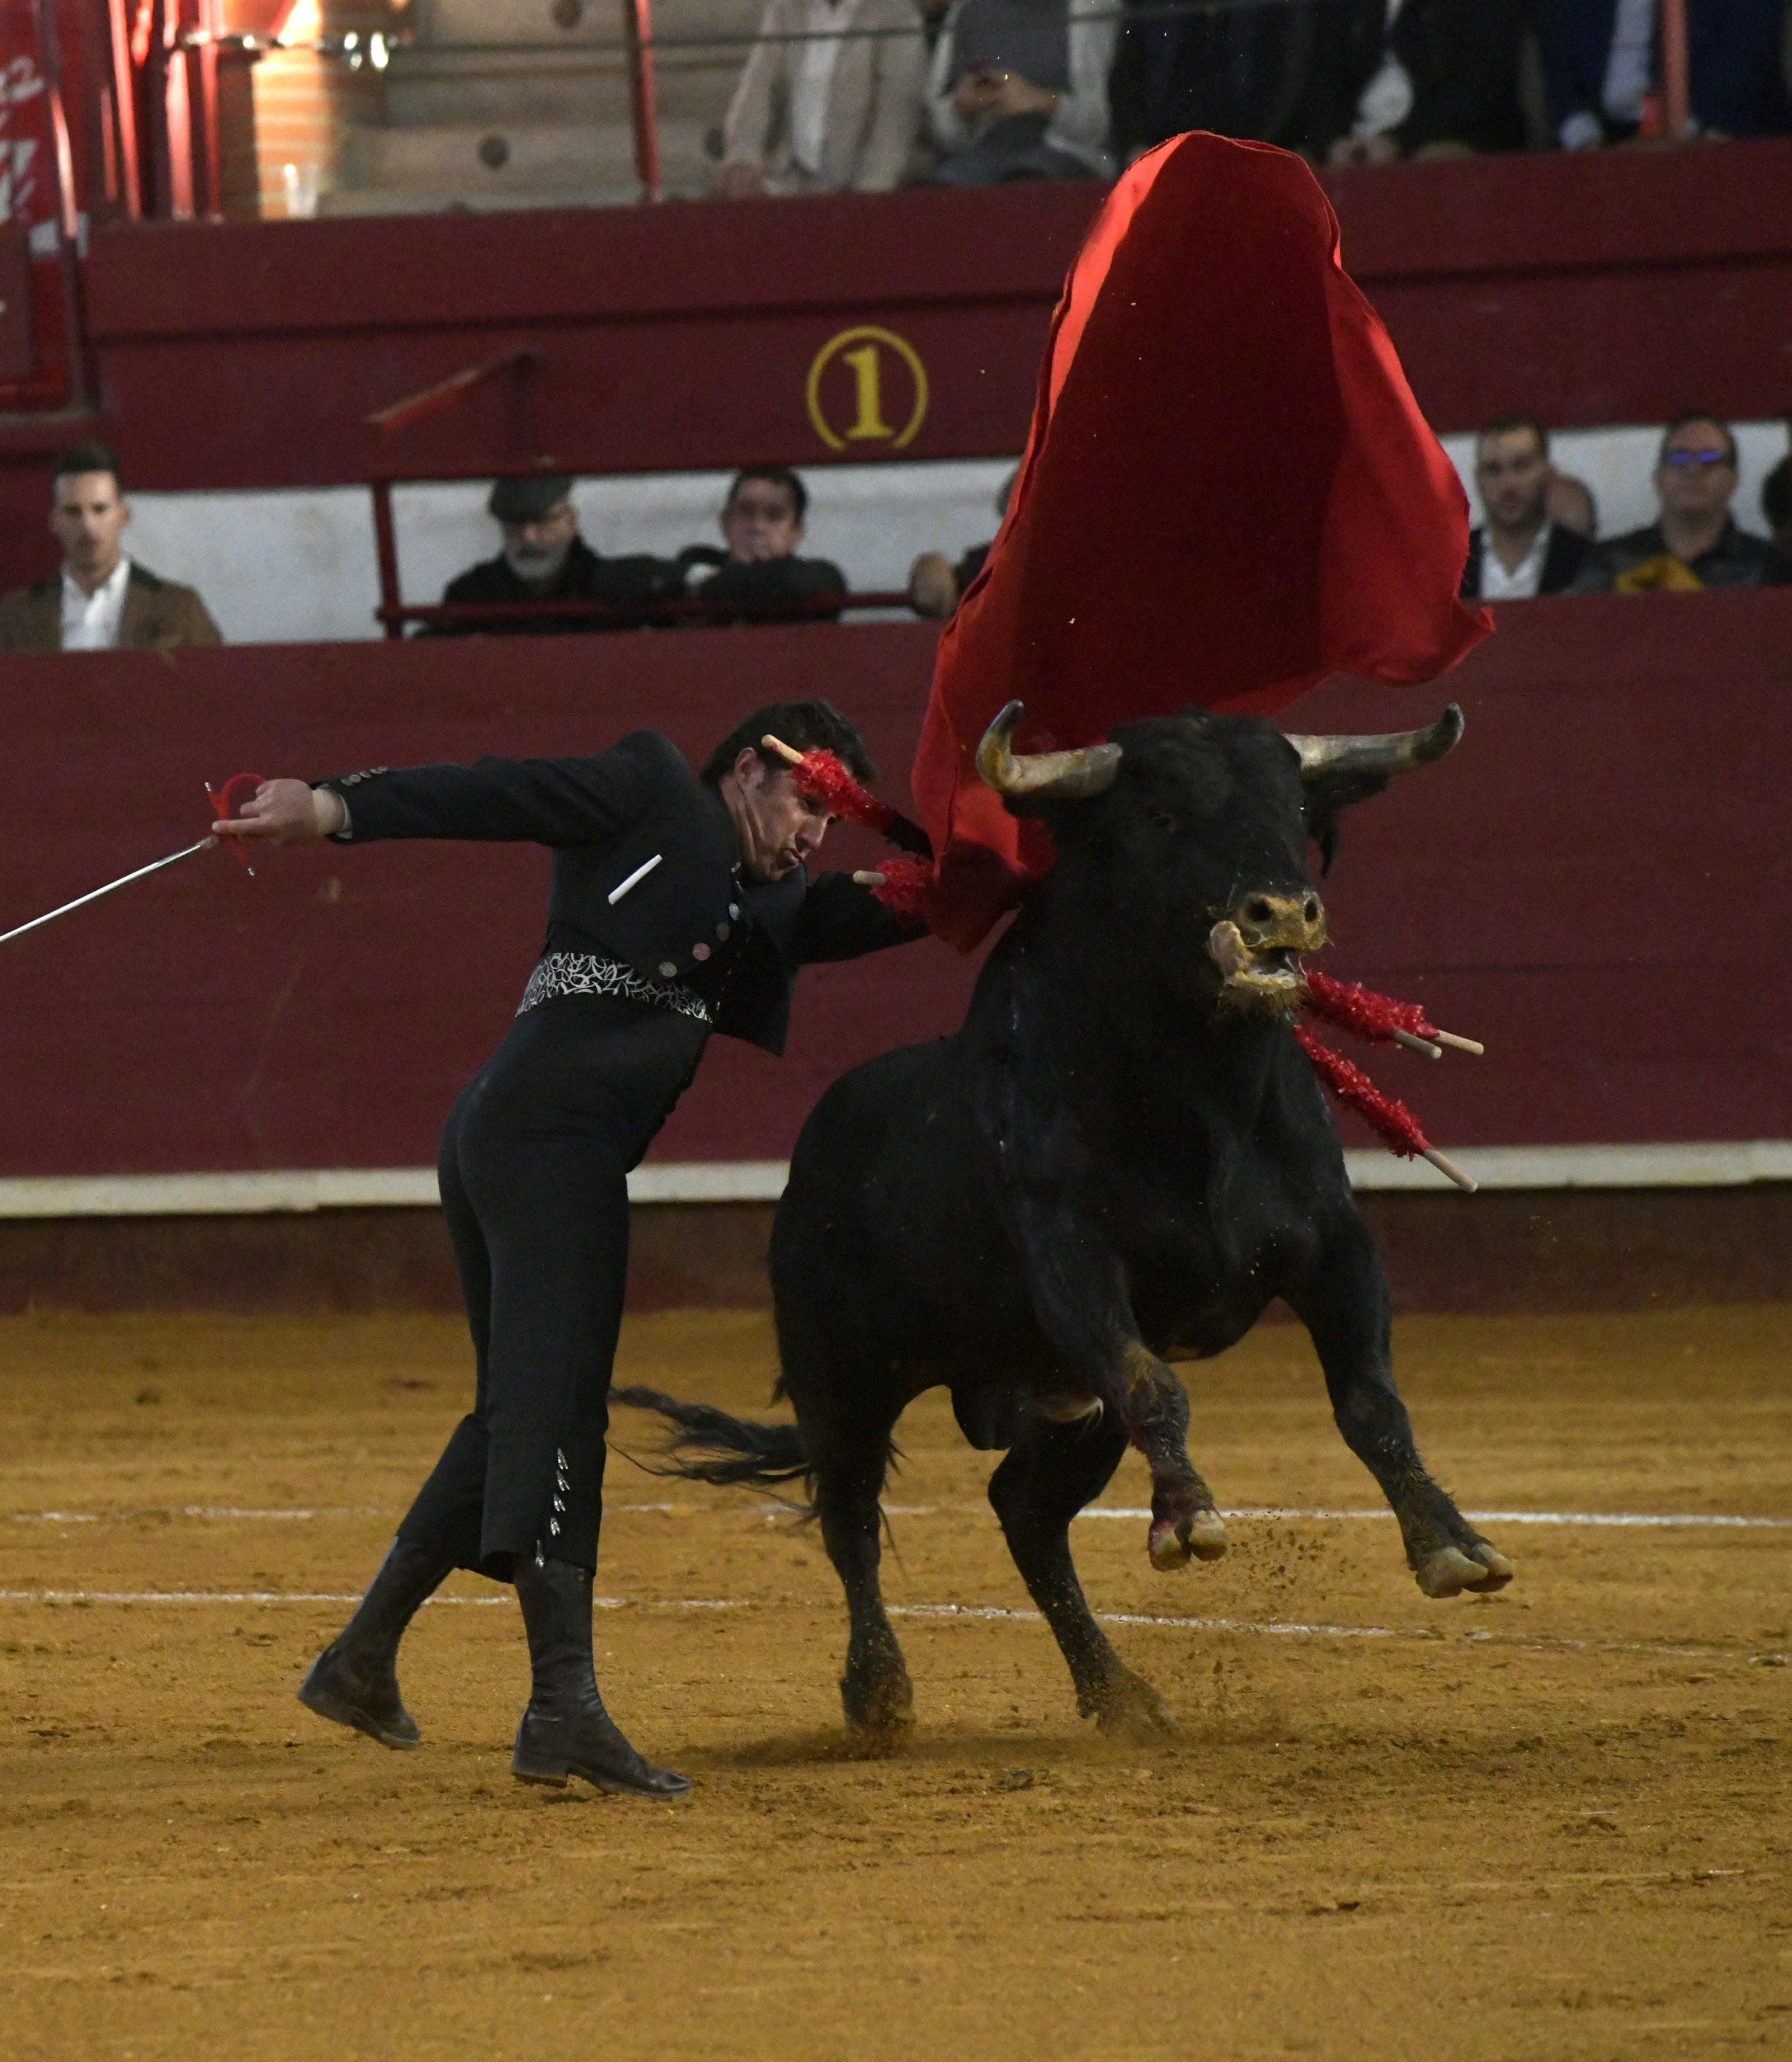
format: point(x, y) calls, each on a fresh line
point(288, 812)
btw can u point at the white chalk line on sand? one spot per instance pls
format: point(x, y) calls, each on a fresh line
point(963, 1614)
point(231, 1513)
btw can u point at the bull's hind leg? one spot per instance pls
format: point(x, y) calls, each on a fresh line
point(1344, 1304)
point(1050, 1472)
point(850, 1464)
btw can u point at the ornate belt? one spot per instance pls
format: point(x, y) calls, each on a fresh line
point(584, 974)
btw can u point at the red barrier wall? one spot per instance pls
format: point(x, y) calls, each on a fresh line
point(1595, 883)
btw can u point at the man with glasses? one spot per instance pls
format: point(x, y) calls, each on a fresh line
point(1694, 543)
point(759, 577)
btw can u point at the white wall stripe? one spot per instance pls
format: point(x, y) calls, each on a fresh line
point(1717, 1164)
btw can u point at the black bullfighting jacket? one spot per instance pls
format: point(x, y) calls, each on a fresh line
point(645, 869)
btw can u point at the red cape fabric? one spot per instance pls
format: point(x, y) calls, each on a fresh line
point(1229, 492)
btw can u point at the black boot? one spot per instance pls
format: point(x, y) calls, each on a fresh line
point(566, 1730)
point(354, 1680)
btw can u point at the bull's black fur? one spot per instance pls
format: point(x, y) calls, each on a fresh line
point(1105, 1167)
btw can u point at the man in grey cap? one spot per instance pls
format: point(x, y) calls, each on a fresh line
point(545, 559)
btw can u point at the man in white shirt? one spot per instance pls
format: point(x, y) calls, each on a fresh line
point(101, 599)
point(1519, 552)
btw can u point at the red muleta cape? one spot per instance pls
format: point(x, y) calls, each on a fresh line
point(1229, 492)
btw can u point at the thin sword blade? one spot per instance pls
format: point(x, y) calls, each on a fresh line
point(111, 887)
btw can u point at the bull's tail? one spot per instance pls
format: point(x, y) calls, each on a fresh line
point(710, 1446)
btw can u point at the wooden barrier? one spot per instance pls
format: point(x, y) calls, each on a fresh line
point(1594, 885)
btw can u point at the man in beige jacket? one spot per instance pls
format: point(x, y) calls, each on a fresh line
point(829, 100)
point(101, 599)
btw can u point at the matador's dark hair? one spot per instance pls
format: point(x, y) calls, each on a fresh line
point(816, 726)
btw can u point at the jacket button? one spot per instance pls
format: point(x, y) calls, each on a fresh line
point(722, 933)
point(699, 951)
point(668, 968)
point(734, 908)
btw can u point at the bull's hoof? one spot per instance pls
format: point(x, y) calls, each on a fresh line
point(1129, 1707)
point(1197, 1536)
point(879, 1711)
point(1452, 1569)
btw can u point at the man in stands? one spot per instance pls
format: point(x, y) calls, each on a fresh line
point(545, 559)
point(1018, 90)
point(101, 599)
point(1602, 68)
point(759, 578)
point(1776, 505)
point(1694, 543)
point(1519, 552)
point(829, 100)
point(1413, 78)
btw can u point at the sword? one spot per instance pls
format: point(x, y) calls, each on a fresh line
point(221, 800)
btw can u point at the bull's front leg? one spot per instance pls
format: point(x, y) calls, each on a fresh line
point(1079, 1296)
point(1343, 1302)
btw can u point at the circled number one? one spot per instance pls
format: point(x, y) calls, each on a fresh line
point(870, 426)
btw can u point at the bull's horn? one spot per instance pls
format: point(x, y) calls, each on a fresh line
point(1073, 775)
point(1396, 752)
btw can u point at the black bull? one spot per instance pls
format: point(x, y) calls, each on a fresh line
point(1118, 1160)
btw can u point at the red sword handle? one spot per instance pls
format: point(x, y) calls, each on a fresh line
point(223, 807)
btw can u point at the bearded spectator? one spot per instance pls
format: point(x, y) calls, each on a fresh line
point(545, 559)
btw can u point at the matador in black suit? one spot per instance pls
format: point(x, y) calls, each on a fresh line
point(680, 905)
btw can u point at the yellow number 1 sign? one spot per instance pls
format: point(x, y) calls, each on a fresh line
point(852, 411)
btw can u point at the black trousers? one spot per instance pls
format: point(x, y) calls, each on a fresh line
point(534, 1171)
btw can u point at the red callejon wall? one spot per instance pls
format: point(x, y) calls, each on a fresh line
point(1593, 884)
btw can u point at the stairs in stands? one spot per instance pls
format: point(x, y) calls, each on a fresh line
point(525, 103)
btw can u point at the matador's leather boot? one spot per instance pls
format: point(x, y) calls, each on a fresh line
point(566, 1730)
point(354, 1680)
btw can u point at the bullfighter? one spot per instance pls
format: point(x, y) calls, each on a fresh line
point(681, 905)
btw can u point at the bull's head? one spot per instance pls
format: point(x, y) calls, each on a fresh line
point(1199, 825)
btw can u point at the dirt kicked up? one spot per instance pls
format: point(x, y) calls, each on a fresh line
point(1551, 1824)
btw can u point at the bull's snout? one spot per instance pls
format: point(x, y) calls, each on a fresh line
point(1258, 948)
point(1291, 923)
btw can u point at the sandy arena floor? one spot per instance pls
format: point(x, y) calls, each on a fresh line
point(1552, 1824)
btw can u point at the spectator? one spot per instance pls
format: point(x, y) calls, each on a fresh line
point(1414, 78)
point(544, 559)
point(1521, 552)
point(1237, 71)
point(1599, 68)
point(1776, 505)
point(829, 100)
point(759, 578)
point(1019, 91)
point(935, 585)
point(1694, 542)
point(101, 599)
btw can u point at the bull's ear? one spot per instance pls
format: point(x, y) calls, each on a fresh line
point(1325, 795)
point(1336, 772)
